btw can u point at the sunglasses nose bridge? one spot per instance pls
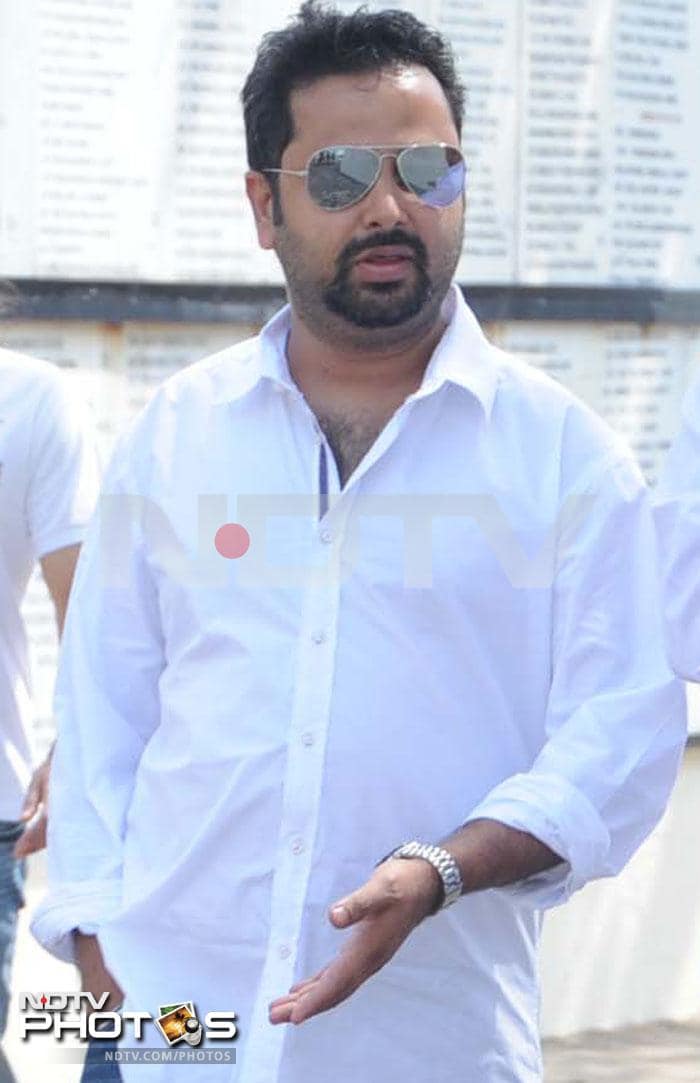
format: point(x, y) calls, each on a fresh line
point(387, 174)
point(382, 204)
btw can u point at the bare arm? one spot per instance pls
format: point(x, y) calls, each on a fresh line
point(397, 897)
point(490, 854)
point(57, 569)
point(94, 976)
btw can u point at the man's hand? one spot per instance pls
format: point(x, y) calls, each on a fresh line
point(34, 809)
point(94, 976)
point(397, 898)
point(385, 910)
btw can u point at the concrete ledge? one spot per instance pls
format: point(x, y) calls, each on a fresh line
point(187, 302)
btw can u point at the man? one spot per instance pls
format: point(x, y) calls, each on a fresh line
point(379, 584)
point(48, 485)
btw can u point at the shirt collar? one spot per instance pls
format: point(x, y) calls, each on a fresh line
point(463, 356)
point(265, 359)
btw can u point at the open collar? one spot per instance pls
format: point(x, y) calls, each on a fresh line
point(463, 357)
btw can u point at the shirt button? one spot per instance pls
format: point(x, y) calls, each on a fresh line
point(319, 637)
point(307, 739)
point(298, 846)
point(326, 537)
point(284, 951)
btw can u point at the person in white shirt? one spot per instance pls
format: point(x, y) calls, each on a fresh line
point(361, 581)
point(48, 487)
point(677, 513)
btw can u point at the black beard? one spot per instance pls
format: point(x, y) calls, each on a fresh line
point(379, 304)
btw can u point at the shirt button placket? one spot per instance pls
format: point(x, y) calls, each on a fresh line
point(302, 789)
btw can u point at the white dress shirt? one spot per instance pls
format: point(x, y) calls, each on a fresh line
point(677, 512)
point(471, 629)
point(48, 487)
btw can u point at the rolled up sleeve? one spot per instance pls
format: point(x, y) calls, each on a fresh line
point(106, 708)
point(616, 717)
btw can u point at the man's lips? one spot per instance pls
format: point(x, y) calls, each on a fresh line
point(385, 263)
point(386, 253)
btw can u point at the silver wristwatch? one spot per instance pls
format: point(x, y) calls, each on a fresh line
point(442, 861)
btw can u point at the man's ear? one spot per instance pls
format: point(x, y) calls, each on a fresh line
point(261, 199)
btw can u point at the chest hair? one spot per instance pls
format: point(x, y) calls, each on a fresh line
point(350, 438)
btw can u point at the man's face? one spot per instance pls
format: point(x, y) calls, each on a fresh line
point(344, 280)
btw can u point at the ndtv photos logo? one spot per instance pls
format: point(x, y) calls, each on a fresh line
point(83, 1016)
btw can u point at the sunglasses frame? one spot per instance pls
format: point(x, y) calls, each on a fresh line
point(398, 148)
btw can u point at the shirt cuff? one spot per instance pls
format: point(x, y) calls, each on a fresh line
point(86, 904)
point(551, 809)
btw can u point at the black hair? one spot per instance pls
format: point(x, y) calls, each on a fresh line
point(320, 41)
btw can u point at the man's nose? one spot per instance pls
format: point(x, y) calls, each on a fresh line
point(384, 206)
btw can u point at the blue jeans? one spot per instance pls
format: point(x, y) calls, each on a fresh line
point(95, 1070)
point(11, 900)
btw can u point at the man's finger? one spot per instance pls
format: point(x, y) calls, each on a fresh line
point(280, 1010)
point(340, 981)
point(297, 988)
point(330, 987)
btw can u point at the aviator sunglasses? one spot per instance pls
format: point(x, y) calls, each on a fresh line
point(338, 177)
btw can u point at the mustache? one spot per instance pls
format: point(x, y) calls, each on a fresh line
point(389, 236)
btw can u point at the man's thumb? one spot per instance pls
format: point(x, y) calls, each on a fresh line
point(351, 909)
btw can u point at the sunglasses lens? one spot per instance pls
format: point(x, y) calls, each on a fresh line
point(340, 176)
point(435, 174)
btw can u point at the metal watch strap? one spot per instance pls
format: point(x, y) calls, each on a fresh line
point(442, 861)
